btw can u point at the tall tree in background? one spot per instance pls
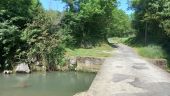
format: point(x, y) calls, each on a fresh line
point(121, 24)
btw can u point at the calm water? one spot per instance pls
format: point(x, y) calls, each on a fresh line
point(49, 84)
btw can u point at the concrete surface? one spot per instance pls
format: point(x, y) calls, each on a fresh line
point(126, 74)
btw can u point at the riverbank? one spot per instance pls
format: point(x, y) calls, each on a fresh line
point(77, 59)
point(80, 64)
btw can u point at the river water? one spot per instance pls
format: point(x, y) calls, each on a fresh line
point(45, 84)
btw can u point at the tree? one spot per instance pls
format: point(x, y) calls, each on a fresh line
point(9, 43)
point(13, 21)
point(151, 19)
point(89, 20)
point(121, 24)
point(45, 40)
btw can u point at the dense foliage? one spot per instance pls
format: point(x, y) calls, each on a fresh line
point(89, 20)
point(121, 25)
point(29, 34)
point(152, 23)
point(13, 21)
point(152, 19)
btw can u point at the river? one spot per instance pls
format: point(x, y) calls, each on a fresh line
point(45, 84)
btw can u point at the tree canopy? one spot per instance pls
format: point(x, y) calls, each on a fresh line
point(89, 20)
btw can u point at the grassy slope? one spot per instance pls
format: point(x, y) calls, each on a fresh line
point(151, 51)
point(101, 51)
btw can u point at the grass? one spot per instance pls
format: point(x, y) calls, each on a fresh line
point(151, 51)
point(117, 40)
point(100, 51)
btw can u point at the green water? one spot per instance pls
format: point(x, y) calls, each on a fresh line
point(45, 84)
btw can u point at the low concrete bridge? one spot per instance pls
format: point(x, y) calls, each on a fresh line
point(127, 74)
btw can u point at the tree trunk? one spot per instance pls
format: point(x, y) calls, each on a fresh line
point(146, 28)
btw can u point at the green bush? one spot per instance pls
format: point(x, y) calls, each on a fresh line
point(9, 43)
point(45, 41)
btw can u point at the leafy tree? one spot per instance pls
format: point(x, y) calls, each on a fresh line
point(89, 20)
point(9, 43)
point(13, 21)
point(151, 19)
point(121, 24)
point(20, 15)
point(45, 40)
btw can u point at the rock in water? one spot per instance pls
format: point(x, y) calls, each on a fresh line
point(22, 68)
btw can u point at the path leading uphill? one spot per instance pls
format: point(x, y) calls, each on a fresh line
point(126, 74)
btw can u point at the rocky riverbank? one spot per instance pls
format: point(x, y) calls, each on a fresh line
point(85, 64)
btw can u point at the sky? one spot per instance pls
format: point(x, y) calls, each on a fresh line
point(53, 4)
point(58, 5)
point(124, 6)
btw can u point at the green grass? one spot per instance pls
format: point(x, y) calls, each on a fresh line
point(116, 40)
point(151, 51)
point(100, 51)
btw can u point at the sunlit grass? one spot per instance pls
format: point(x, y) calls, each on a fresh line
point(100, 51)
point(116, 40)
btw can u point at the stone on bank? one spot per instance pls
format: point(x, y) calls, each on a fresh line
point(22, 68)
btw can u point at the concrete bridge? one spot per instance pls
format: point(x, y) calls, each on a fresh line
point(127, 74)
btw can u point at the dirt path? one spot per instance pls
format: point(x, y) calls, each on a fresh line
point(126, 74)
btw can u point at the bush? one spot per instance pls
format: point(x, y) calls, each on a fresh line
point(45, 42)
point(9, 43)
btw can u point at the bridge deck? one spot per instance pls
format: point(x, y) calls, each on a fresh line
point(126, 74)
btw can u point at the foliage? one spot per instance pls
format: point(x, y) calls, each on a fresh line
point(28, 32)
point(88, 21)
point(121, 25)
point(152, 23)
point(20, 15)
point(9, 43)
point(151, 19)
point(45, 40)
point(13, 19)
